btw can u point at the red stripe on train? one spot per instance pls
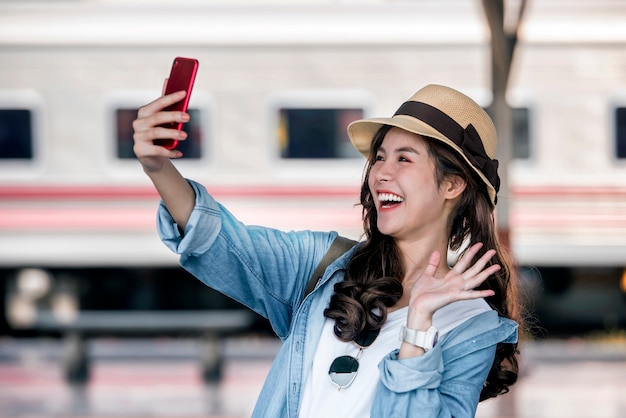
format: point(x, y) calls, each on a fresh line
point(105, 192)
point(147, 192)
point(109, 219)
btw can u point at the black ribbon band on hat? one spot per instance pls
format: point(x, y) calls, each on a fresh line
point(467, 139)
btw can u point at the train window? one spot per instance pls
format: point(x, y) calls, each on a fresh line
point(620, 132)
point(520, 118)
point(191, 147)
point(521, 133)
point(16, 134)
point(316, 132)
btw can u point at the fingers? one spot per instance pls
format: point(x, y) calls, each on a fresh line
point(144, 142)
point(479, 265)
point(475, 294)
point(152, 123)
point(147, 132)
point(467, 258)
point(160, 104)
point(476, 274)
point(475, 280)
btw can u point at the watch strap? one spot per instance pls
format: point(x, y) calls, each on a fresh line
point(423, 339)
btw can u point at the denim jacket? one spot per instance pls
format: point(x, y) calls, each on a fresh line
point(268, 270)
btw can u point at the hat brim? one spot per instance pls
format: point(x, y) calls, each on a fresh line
point(361, 133)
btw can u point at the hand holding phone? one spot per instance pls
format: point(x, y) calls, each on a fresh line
point(182, 77)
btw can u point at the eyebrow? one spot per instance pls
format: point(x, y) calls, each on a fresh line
point(399, 150)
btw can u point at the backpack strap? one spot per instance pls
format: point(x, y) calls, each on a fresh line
point(339, 246)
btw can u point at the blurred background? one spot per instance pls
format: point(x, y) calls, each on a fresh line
point(96, 317)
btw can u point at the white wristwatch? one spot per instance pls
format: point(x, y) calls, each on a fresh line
point(423, 339)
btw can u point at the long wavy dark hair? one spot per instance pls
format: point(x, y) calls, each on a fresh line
point(374, 274)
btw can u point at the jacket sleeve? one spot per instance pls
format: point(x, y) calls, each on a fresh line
point(447, 380)
point(265, 269)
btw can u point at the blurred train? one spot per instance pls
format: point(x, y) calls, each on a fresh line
point(278, 84)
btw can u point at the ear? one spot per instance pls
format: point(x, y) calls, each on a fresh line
point(453, 186)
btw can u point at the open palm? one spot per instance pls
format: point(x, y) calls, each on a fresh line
point(430, 293)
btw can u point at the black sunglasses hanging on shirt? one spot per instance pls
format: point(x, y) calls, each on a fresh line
point(343, 369)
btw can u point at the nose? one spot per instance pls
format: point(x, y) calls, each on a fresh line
point(383, 171)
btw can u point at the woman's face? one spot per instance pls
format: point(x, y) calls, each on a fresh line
point(402, 181)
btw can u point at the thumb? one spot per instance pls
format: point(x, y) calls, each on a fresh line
point(433, 264)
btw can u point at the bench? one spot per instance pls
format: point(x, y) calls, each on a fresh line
point(210, 325)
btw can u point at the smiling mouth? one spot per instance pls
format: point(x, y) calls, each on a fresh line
point(388, 200)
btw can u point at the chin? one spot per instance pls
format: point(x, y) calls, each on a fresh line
point(388, 230)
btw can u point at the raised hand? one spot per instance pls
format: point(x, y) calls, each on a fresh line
point(177, 194)
point(431, 292)
point(147, 128)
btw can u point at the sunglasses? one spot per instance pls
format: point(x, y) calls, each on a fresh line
point(343, 369)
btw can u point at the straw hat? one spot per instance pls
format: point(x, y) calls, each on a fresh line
point(445, 114)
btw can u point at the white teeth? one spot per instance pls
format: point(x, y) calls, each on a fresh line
point(388, 197)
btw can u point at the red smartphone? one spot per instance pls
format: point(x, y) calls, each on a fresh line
point(182, 77)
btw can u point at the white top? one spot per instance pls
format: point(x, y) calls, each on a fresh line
point(321, 398)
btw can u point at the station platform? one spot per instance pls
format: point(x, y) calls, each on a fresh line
point(161, 378)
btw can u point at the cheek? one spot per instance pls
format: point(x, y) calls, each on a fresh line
point(426, 186)
point(371, 179)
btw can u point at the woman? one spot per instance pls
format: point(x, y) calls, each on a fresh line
point(391, 330)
